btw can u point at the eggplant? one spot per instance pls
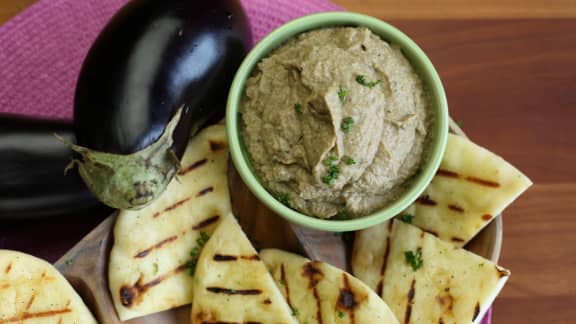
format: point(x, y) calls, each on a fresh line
point(157, 73)
point(32, 183)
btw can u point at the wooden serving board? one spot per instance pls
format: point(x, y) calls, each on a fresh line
point(85, 265)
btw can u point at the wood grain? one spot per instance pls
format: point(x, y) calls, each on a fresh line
point(460, 9)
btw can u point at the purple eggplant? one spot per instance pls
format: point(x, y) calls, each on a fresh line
point(32, 184)
point(157, 73)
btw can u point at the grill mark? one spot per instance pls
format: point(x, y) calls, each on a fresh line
point(476, 180)
point(158, 245)
point(314, 276)
point(30, 301)
point(502, 272)
point(8, 268)
point(431, 232)
point(486, 217)
point(193, 166)
point(228, 291)
point(346, 299)
point(224, 257)
point(457, 239)
point(26, 316)
point(285, 282)
point(267, 301)
point(171, 207)
point(456, 208)
point(425, 200)
point(380, 287)
point(217, 146)
point(476, 311)
point(205, 223)
point(204, 191)
point(131, 295)
point(411, 294)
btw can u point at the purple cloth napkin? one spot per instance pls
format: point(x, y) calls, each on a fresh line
point(41, 51)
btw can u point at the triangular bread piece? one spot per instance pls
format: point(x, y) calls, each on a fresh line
point(472, 186)
point(33, 291)
point(426, 280)
point(232, 284)
point(148, 262)
point(320, 293)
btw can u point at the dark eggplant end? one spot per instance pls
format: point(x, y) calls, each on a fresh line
point(129, 181)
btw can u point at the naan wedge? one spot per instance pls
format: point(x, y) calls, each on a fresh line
point(232, 284)
point(471, 187)
point(320, 293)
point(148, 262)
point(427, 280)
point(32, 291)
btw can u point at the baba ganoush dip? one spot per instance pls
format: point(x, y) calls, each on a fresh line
point(335, 122)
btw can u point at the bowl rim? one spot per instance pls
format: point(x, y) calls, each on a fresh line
point(417, 58)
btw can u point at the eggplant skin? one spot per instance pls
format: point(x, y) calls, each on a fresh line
point(152, 58)
point(32, 182)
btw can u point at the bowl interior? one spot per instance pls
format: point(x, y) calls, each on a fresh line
point(419, 61)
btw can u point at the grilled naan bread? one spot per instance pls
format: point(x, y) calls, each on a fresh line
point(426, 280)
point(471, 187)
point(33, 291)
point(320, 293)
point(232, 284)
point(148, 262)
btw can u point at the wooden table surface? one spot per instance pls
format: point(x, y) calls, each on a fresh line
point(509, 69)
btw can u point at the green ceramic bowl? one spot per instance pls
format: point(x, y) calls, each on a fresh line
point(389, 33)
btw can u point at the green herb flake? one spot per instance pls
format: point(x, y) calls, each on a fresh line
point(341, 314)
point(460, 123)
point(333, 173)
point(343, 213)
point(284, 199)
point(407, 218)
point(348, 160)
point(69, 262)
point(295, 311)
point(155, 268)
point(414, 258)
point(346, 124)
point(195, 253)
point(298, 108)
point(329, 161)
point(342, 94)
point(362, 80)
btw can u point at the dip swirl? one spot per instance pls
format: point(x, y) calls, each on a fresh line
point(335, 122)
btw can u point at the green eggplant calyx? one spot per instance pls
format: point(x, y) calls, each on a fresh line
point(130, 181)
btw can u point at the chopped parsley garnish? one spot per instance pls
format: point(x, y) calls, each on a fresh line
point(284, 199)
point(330, 160)
point(295, 311)
point(69, 262)
point(343, 213)
point(155, 268)
point(346, 124)
point(342, 94)
point(333, 173)
point(341, 314)
point(407, 218)
point(298, 108)
point(195, 253)
point(362, 80)
point(348, 160)
point(414, 258)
